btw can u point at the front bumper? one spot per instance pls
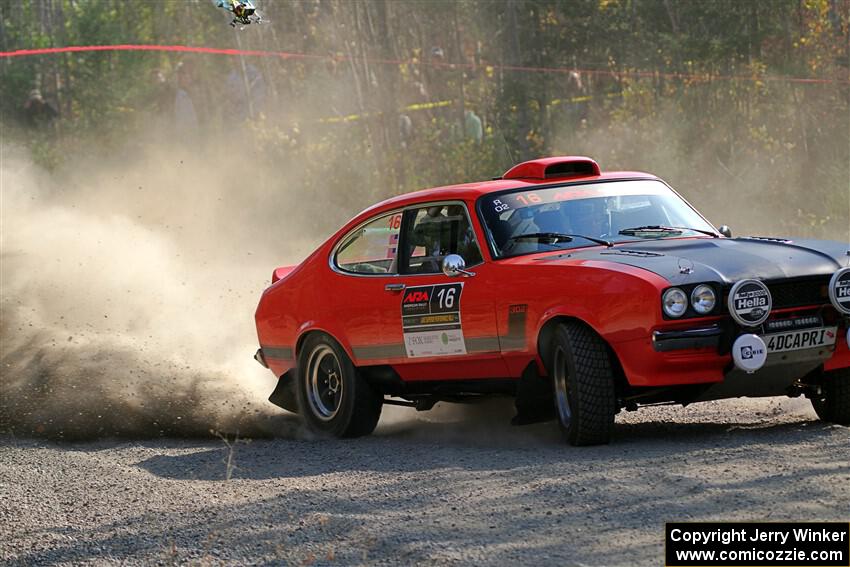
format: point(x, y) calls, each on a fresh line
point(687, 339)
point(701, 354)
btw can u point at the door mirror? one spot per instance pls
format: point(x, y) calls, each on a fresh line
point(725, 231)
point(453, 266)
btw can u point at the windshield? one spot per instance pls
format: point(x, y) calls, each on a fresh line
point(526, 221)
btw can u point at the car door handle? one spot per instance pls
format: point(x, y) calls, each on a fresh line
point(394, 287)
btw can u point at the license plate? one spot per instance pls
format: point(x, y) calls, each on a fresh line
point(798, 340)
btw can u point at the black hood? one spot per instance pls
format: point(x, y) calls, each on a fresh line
point(727, 260)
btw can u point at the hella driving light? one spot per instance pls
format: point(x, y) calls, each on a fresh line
point(703, 299)
point(675, 302)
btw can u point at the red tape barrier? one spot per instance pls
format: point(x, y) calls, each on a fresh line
point(437, 64)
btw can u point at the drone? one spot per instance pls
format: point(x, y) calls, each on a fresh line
point(244, 12)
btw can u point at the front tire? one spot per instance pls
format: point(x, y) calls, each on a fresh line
point(332, 396)
point(583, 382)
point(833, 403)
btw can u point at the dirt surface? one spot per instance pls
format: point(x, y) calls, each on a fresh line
point(457, 488)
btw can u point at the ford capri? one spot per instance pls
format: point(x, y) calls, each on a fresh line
point(579, 292)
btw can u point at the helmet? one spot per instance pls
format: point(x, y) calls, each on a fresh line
point(588, 216)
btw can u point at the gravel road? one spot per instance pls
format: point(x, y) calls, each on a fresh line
point(457, 488)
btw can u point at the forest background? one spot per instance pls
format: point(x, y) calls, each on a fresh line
point(741, 105)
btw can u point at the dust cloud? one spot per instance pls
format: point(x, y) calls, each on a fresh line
point(130, 276)
point(732, 182)
point(129, 285)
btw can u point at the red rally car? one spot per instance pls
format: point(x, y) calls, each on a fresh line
point(579, 292)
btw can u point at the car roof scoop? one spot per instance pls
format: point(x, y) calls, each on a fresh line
point(554, 167)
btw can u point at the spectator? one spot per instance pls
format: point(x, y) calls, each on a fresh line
point(161, 95)
point(185, 117)
point(246, 92)
point(38, 113)
point(405, 129)
point(578, 99)
point(472, 126)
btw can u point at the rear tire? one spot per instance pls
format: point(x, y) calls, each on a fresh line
point(332, 396)
point(583, 382)
point(833, 403)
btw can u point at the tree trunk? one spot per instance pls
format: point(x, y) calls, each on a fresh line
point(459, 56)
point(387, 93)
point(519, 93)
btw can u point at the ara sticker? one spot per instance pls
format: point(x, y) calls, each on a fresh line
point(430, 319)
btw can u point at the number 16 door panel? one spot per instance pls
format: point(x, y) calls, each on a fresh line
point(446, 327)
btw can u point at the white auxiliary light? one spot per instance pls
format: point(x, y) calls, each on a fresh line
point(749, 353)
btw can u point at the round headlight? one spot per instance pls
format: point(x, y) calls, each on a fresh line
point(675, 302)
point(703, 299)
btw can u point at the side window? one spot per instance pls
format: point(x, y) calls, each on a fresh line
point(434, 232)
point(371, 249)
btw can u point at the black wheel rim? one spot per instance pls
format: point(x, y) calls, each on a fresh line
point(324, 383)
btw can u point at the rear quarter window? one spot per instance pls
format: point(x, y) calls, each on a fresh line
point(371, 248)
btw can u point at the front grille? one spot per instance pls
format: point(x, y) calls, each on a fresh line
point(794, 293)
point(810, 291)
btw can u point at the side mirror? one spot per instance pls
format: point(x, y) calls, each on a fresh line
point(453, 266)
point(725, 231)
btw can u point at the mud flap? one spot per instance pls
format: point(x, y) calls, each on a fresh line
point(284, 393)
point(534, 400)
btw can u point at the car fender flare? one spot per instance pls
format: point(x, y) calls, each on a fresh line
point(605, 321)
point(309, 327)
point(555, 315)
point(543, 329)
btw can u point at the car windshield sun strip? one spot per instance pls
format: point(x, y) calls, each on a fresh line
point(556, 236)
point(659, 228)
